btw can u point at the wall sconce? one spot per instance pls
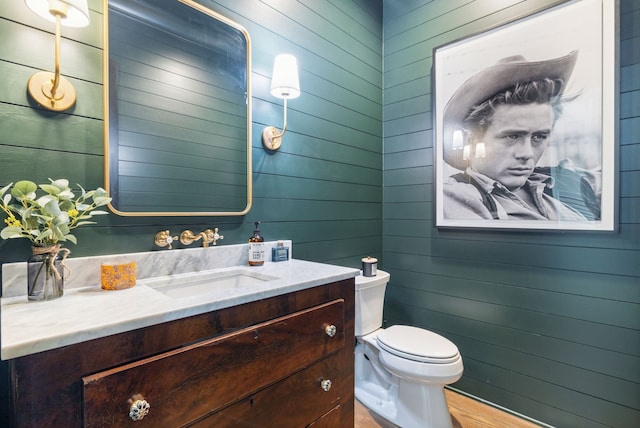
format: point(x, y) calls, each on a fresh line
point(284, 84)
point(51, 90)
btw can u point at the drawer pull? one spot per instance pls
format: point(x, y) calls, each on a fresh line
point(330, 330)
point(325, 385)
point(139, 409)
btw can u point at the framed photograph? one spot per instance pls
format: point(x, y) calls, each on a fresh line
point(525, 123)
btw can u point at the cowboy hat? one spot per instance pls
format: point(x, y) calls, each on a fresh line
point(503, 75)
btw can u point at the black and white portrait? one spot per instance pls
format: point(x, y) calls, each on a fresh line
point(524, 123)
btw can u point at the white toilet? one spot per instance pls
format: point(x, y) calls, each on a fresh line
point(400, 371)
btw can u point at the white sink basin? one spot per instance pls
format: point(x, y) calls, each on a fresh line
point(206, 283)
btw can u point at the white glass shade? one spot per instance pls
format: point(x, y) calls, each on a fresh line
point(77, 11)
point(458, 140)
point(466, 152)
point(285, 83)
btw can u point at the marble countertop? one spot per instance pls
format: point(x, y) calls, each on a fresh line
point(86, 313)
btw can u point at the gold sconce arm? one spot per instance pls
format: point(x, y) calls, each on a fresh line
point(51, 90)
point(271, 137)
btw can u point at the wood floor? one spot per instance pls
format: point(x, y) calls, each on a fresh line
point(465, 413)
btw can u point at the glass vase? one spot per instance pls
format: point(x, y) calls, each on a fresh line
point(45, 273)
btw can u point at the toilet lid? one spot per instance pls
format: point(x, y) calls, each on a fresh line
point(417, 344)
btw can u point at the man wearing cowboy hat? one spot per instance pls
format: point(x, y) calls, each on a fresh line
point(497, 125)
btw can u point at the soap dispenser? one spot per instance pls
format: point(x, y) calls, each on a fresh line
point(256, 247)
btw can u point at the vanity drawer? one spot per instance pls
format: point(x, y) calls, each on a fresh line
point(188, 383)
point(331, 419)
point(295, 402)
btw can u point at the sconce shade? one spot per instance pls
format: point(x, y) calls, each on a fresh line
point(285, 83)
point(458, 140)
point(73, 13)
point(466, 152)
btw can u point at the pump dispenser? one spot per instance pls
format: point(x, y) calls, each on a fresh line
point(256, 247)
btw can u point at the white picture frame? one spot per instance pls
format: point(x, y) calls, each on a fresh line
point(583, 138)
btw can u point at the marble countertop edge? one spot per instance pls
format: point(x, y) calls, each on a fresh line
point(88, 313)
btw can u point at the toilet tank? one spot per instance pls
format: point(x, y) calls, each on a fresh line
point(370, 301)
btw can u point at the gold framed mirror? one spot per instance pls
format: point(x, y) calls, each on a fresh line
point(177, 110)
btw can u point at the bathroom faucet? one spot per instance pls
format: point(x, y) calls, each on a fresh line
point(207, 236)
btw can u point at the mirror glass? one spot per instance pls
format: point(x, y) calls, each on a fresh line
point(177, 110)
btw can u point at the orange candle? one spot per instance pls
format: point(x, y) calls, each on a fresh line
point(118, 276)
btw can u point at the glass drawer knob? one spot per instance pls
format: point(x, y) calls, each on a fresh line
point(325, 385)
point(139, 409)
point(330, 330)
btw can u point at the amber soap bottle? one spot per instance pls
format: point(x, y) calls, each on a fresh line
point(256, 247)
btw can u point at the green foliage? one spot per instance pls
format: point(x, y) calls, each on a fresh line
point(48, 218)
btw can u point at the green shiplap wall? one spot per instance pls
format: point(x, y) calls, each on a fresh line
point(173, 118)
point(323, 189)
point(548, 323)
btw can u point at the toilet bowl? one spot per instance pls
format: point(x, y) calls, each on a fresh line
point(400, 371)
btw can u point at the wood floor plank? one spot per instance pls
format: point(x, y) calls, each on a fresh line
point(465, 413)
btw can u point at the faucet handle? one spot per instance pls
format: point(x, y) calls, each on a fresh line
point(164, 239)
point(213, 235)
point(210, 237)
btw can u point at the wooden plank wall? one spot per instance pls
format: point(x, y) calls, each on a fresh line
point(323, 189)
point(548, 323)
point(178, 115)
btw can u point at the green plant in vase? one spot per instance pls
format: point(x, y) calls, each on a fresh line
point(46, 214)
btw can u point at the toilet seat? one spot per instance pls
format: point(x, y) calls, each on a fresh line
point(417, 344)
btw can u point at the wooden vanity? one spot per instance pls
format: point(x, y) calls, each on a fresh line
point(281, 361)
